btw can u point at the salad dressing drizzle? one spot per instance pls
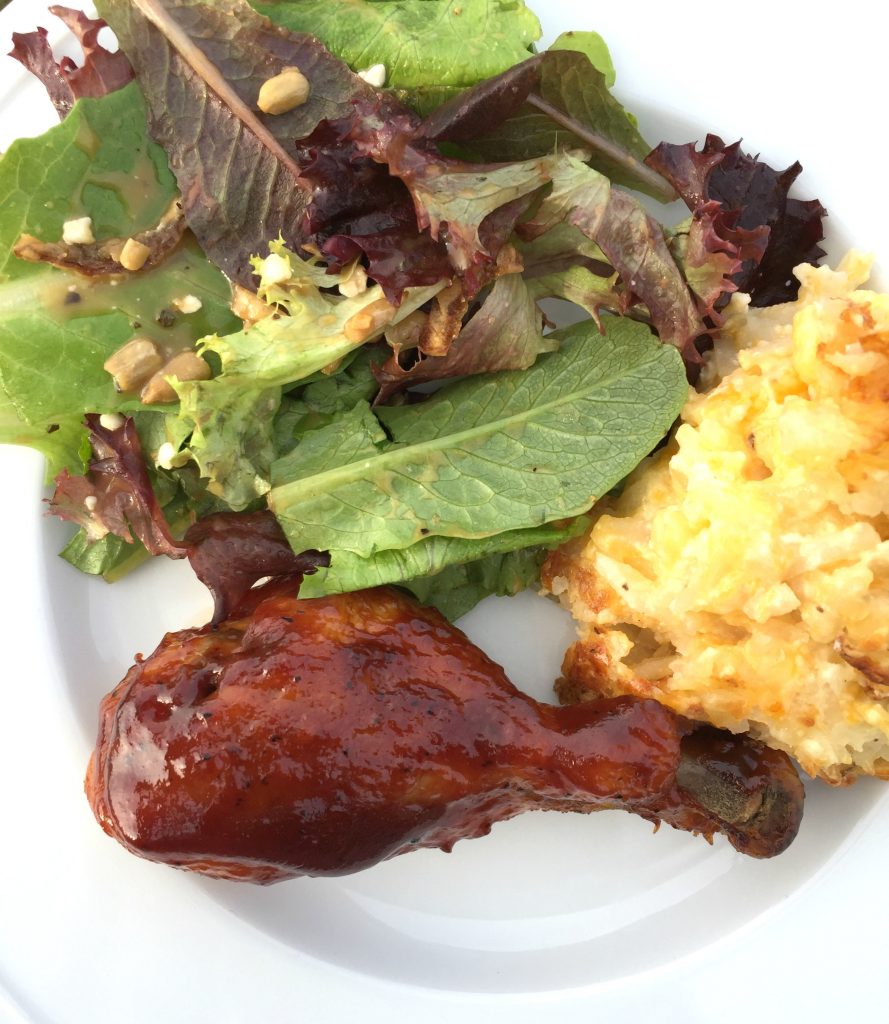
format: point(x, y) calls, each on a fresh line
point(147, 299)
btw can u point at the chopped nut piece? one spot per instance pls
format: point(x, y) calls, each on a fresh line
point(111, 420)
point(133, 254)
point(78, 231)
point(369, 321)
point(284, 92)
point(274, 269)
point(165, 455)
point(184, 366)
point(249, 307)
point(169, 457)
point(375, 75)
point(187, 304)
point(133, 363)
point(113, 248)
point(355, 283)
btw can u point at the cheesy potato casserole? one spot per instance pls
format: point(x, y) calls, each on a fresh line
point(742, 575)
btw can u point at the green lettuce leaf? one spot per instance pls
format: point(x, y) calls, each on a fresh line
point(594, 47)
point(330, 394)
point(438, 566)
point(232, 437)
point(505, 451)
point(62, 445)
point(322, 399)
point(581, 287)
point(348, 439)
point(57, 328)
point(430, 48)
point(459, 588)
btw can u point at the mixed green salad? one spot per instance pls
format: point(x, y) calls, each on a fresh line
point(313, 336)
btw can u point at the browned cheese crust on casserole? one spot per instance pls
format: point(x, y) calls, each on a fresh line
point(742, 575)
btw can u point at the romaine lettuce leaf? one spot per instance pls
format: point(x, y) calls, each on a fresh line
point(459, 588)
point(594, 48)
point(437, 565)
point(505, 451)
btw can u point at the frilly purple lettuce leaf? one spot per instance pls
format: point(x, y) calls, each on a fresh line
point(100, 73)
point(632, 242)
point(115, 496)
point(444, 191)
point(711, 252)
point(228, 552)
point(358, 208)
point(754, 199)
point(504, 334)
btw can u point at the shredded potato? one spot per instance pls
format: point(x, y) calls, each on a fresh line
point(742, 575)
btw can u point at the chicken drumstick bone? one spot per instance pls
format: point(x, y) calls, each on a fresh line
point(318, 737)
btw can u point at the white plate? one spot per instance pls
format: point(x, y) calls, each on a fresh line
point(555, 916)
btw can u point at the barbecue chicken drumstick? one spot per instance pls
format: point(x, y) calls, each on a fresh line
point(318, 737)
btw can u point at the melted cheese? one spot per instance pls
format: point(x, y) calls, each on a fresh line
point(742, 576)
